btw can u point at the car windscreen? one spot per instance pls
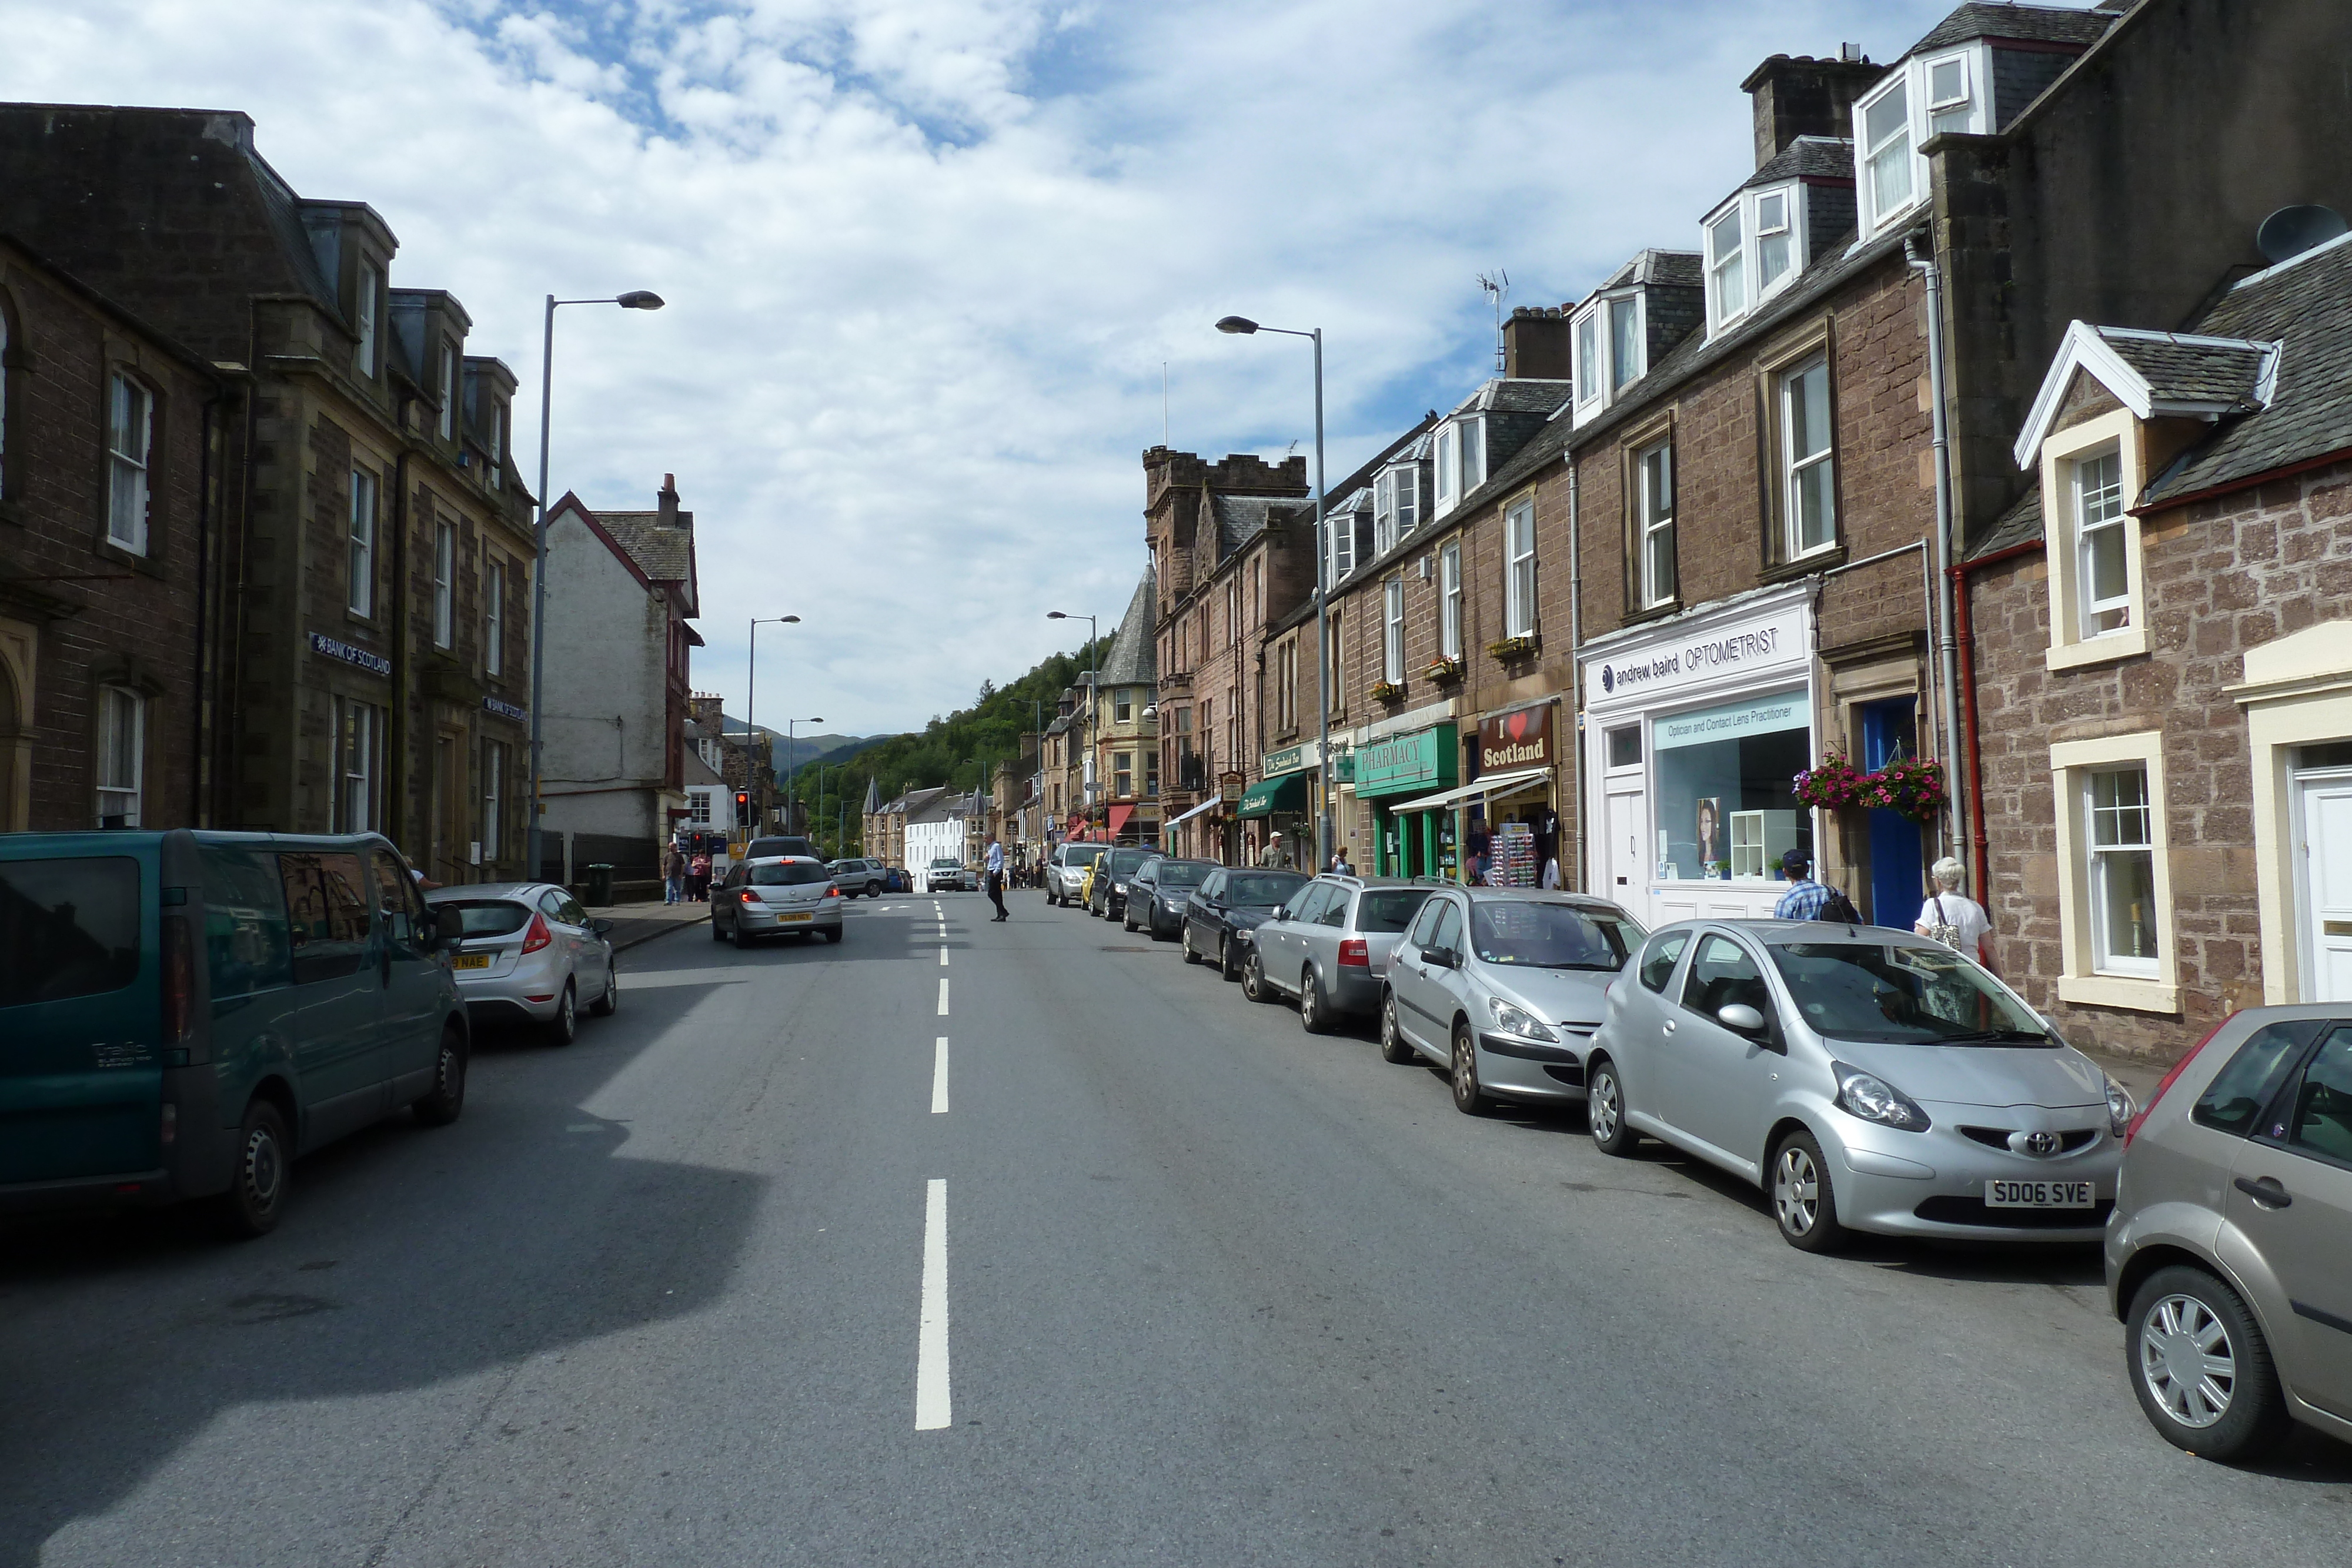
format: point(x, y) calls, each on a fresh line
point(1262, 888)
point(1896, 994)
point(788, 874)
point(486, 916)
point(1548, 936)
point(1385, 911)
point(1181, 873)
point(1123, 862)
point(67, 927)
point(1082, 854)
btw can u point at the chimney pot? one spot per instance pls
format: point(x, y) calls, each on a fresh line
point(1801, 96)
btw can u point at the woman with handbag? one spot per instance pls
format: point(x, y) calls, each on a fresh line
point(1952, 917)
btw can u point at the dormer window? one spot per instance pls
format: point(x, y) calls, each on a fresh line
point(1772, 239)
point(1601, 373)
point(1886, 152)
point(1753, 246)
point(1342, 530)
point(369, 285)
point(1588, 357)
point(1726, 267)
point(1449, 462)
point(498, 445)
point(1920, 98)
point(1947, 95)
point(1396, 505)
point(1625, 341)
point(448, 392)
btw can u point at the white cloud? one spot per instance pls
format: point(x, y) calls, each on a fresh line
point(925, 258)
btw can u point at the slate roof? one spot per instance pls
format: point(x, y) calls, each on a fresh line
point(1806, 158)
point(665, 555)
point(2304, 304)
point(2190, 372)
point(1134, 658)
point(2031, 24)
point(2020, 525)
point(1521, 395)
point(1663, 269)
point(1241, 519)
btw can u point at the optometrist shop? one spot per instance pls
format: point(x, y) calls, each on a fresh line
point(1695, 731)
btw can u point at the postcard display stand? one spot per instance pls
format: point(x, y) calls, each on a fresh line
point(1514, 852)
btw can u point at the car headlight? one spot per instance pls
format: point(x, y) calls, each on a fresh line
point(1511, 1019)
point(1119, 887)
point(2120, 1109)
point(1873, 1099)
point(1244, 933)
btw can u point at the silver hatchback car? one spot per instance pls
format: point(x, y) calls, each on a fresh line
point(1866, 1078)
point(2229, 1254)
point(1329, 945)
point(529, 951)
point(776, 895)
point(1503, 988)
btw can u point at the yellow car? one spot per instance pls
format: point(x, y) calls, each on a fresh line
point(1086, 884)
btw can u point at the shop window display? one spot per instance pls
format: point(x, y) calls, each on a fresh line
point(1724, 779)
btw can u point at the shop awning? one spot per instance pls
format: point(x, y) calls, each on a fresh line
point(1118, 816)
point(1211, 804)
point(1268, 796)
point(1491, 785)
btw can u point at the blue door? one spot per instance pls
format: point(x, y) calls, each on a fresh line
point(1897, 887)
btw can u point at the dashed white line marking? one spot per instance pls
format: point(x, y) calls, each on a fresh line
point(934, 1407)
point(943, 996)
point(943, 957)
point(940, 1077)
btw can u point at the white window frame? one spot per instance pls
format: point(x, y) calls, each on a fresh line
point(121, 771)
point(1591, 384)
point(368, 283)
point(1384, 517)
point(1446, 451)
point(494, 759)
point(129, 458)
point(448, 390)
point(1519, 570)
point(359, 570)
point(1727, 269)
point(2072, 642)
point(2087, 974)
point(1897, 147)
point(1762, 229)
point(698, 807)
point(445, 584)
point(1796, 469)
point(1342, 527)
point(357, 806)
point(1653, 471)
point(498, 413)
point(1406, 498)
point(1943, 109)
point(494, 618)
point(1393, 630)
point(1472, 448)
point(1627, 311)
point(1449, 600)
point(2116, 828)
point(2098, 517)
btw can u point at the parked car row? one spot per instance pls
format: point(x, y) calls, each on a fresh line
point(1866, 1080)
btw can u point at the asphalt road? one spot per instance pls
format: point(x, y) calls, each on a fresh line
point(1146, 1275)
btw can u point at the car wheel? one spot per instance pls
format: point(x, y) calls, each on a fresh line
point(1804, 1199)
point(1394, 1048)
point(608, 1004)
point(1127, 919)
point(1604, 1109)
point(257, 1190)
point(1185, 935)
point(735, 929)
point(439, 1105)
point(873, 890)
point(716, 934)
point(564, 1027)
point(1314, 1009)
point(1468, 1097)
point(2201, 1367)
point(1228, 967)
point(1253, 983)
point(834, 934)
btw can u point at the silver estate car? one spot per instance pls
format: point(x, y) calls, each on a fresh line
point(527, 951)
point(1867, 1079)
point(1329, 946)
point(1503, 988)
point(777, 895)
point(1066, 871)
point(2229, 1253)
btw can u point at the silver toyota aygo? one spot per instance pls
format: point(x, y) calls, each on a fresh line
point(1865, 1078)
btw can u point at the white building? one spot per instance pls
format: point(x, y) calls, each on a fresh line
point(937, 828)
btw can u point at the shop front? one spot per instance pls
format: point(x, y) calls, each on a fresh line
point(1502, 826)
point(1411, 838)
point(1695, 730)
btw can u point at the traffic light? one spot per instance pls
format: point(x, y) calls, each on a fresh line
point(742, 807)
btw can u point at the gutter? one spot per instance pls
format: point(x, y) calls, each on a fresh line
point(1980, 843)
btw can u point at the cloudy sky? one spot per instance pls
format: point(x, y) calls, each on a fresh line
point(926, 259)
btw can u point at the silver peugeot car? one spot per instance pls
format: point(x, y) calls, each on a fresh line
point(527, 951)
point(1503, 988)
point(1867, 1079)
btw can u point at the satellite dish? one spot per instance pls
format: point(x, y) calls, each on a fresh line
point(2291, 231)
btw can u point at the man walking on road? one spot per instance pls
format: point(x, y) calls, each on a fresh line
point(995, 879)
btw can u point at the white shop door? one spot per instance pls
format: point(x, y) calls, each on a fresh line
point(1626, 879)
point(2326, 813)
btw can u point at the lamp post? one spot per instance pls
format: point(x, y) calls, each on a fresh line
point(1094, 631)
point(751, 729)
point(789, 725)
point(635, 299)
point(1244, 326)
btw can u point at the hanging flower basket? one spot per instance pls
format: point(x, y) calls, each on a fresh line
point(1830, 784)
point(1912, 786)
point(1443, 670)
point(1388, 692)
point(1512, 647)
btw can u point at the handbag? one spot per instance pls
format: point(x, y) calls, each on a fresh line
point(1943, 930)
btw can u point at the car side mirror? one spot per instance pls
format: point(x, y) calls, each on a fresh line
point(602, 927)
point(1444, 957)
point(1740, 1018)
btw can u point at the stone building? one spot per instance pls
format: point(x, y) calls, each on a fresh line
point(108, 562)
point(621, 589)
point(369, 665)
point(1126, 731)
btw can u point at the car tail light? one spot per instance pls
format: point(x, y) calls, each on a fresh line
point(832, 890)
point(539, 935)
point(1355, 953)
point(2131, 1128)
point(179, 981)
point(750, 897)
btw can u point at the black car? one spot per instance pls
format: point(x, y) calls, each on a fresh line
point(1223, 913)
point(1109, 897)
point(1157, 894)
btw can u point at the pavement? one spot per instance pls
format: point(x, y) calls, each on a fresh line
point(634, 924)
point(1029, 1244)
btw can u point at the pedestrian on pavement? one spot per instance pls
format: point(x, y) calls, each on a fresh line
point(995, 881)
point(1551, 872)
point(674, 877)
point(1807, 899)
point(1339, 862)
point(697, 877)
point(1952, 917)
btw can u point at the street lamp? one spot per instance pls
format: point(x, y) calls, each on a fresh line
point(1094, 631)
point(1243, 325)
point(635, 299)
point(788, 766)
point(750, 730)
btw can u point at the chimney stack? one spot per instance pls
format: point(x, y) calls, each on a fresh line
point(669, 501)
point(1806, 96)
point(1535, 344)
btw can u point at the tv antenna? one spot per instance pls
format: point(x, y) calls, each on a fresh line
point(1498, 284)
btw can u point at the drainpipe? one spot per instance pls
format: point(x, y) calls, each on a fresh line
point(403, 675)
point(1576, 664)
point(1949, 650)
point(1979, 846)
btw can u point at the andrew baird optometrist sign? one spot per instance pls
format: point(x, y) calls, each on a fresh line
point(1730, 651)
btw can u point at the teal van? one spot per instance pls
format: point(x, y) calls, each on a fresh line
point(184, 1013)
